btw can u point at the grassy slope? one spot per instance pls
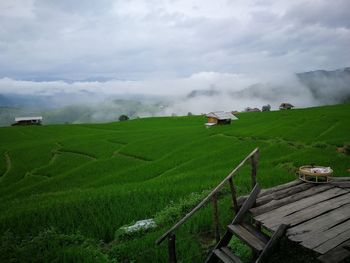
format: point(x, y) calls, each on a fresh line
point(92, 179)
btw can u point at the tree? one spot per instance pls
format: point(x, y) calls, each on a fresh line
point(266, 107)
point(123, 117)
point(189, 113)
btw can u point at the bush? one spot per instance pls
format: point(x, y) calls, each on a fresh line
point(123, 117)
point(266, 107)
point(50, 246)
point(320, 145)
point(174, 211)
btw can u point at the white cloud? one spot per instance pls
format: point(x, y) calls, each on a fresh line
point(169, 40)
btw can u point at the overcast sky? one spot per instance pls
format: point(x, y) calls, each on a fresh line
point(164, 41)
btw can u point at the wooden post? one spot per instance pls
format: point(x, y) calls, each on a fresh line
point(171, 248)
point(216, 217)
point(234, 197)
point(254, 160)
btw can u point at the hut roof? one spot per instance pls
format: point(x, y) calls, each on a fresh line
point(28, 118)
point(252, 109)
point(221, 115)
point(286, 105)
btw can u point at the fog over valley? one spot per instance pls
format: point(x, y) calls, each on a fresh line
point(93, 61)
point(77, 102)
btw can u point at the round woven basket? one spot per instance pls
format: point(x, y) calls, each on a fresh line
point(307, 175)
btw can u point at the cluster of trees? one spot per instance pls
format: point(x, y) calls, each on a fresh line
point(266, 107)
point(123, 117)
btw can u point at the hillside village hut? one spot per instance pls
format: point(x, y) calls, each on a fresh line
point(219, 117)
point(252, 109)
point(27, 121)
point(286, 106)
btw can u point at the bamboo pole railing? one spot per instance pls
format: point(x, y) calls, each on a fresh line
point(170, 234)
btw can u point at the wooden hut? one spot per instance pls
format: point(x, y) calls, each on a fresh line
point(219, 117)
point(286, 106)
point(27, 121)
point(248, 109)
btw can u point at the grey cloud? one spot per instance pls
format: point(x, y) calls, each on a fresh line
point(140, 40)
point(326, 13)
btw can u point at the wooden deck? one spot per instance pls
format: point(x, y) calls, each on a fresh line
point(318, 215)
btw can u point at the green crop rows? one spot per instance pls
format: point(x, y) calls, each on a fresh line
point(65, 190)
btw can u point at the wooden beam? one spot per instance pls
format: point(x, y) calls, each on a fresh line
point(234, 195)
point(271, 245)
point(171, 248)
point(205, 200)
point(216, 218)
point(254, 160)
point(247, 204)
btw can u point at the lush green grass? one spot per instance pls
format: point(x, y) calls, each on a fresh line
point(69, 188)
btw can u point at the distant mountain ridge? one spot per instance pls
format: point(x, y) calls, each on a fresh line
point(327, 87)
point(304, 89)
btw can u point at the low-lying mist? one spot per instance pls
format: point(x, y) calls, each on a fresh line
point(77, 102)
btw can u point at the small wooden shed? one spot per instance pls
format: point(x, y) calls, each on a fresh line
point(220, 117)
point(248, 109)
point(28, 121)
point(286, 106)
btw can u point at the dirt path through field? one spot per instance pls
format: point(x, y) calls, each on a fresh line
point(132, 156)
point(77, 153)
point(8, 164)
point(328, 129)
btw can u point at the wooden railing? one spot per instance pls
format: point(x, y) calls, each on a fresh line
point(170, 234)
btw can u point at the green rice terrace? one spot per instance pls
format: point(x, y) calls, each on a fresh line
point(66, 191)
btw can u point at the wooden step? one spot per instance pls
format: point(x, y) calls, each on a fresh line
point(226, 255)
point(231, 255)
point(253, 239)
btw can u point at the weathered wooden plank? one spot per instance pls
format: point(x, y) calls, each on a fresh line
point(343, 184)
point(283, 193)
point(257, 232)
point(247, 237)
point(321, 237)
point(171, 249)
point(340, 179)
point(300, 204)
point(337, 254)
point(268, 191)
point(216, 217)
point(232, 256)
point(279, 187)
point(224, 258)
point(289, 199)
point(321, 223)
point(270, 246)
point(247, 204)
point(309, 212)
point(233, 195)
point(222, 243)
point(254, 163)
point(334, 242)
